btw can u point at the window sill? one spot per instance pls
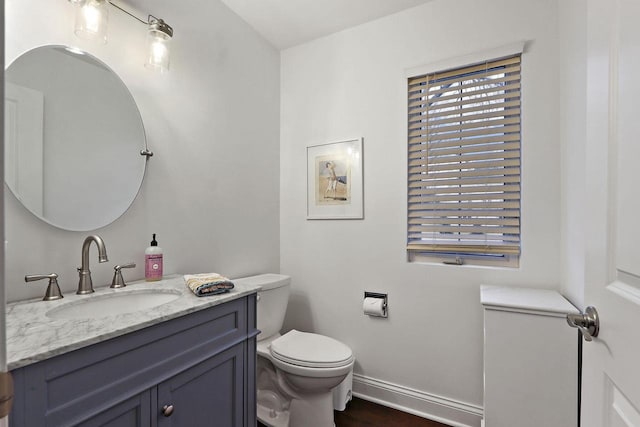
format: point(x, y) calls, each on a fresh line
point(467, 261)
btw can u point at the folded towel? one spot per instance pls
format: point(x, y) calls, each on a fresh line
point(208, 284)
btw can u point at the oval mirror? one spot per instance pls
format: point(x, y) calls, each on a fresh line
point(73, 136)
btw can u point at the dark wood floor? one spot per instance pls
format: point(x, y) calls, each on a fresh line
point(362, 413)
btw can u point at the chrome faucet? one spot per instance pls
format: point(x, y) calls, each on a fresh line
point(85, 286)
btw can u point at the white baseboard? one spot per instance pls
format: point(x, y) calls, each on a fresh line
point(425, 405)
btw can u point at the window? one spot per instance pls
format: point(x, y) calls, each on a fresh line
point(464, 164)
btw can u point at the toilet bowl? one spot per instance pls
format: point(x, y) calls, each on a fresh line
point(296, 372)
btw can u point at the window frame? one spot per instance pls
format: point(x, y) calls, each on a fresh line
point(466, 251)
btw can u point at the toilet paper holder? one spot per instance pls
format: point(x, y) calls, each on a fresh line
point(383, 297)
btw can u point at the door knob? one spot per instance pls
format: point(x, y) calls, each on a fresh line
point(167, 410)
point(588, 322)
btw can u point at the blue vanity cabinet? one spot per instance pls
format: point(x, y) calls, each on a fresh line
point(194, 370)
point(193, 403)
point(135, 411)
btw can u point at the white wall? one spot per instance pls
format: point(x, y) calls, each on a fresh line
point(352, 84)
point(211, 189)
point(573, 106)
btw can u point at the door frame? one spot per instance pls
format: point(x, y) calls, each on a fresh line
point(3, 339)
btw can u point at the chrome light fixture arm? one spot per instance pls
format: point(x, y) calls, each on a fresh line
point(160, 33)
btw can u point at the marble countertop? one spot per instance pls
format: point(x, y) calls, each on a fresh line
point(32, 336)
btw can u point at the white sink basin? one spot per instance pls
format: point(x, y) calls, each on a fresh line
point(112, 304)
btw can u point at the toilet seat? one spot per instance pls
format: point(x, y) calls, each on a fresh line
point(311, 350)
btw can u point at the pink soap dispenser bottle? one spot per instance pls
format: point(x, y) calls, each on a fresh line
point(153, 261)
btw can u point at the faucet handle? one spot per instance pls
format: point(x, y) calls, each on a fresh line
point(53, 290)
point(118, 280)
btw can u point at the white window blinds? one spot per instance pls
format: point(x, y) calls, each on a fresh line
point(464, 161)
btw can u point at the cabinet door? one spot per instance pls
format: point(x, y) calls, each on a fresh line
point(134, 412)
point(208, 394)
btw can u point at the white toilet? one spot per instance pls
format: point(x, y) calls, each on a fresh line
point(296, 372)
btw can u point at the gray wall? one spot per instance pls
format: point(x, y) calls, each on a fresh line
point(211, 190)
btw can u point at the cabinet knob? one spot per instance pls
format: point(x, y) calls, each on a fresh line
point(167, 410)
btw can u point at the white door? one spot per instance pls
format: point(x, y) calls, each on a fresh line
point(23, 145)
point(611, 363)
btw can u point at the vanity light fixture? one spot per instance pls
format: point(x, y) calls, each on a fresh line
point(92, 18)
point(91, 24)
point(158, 38)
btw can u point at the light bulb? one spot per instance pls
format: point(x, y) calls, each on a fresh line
point(158, 41)
point(158, 55)
point(92, 18)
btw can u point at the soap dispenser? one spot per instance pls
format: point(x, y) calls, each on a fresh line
point(153, 261)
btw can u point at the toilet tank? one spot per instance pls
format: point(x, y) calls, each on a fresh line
point(272, 301)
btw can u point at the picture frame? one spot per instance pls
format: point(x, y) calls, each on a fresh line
point(335, 180)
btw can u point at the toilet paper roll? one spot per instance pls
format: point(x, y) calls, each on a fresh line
point(373, 306)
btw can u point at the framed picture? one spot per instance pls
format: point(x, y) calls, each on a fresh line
point(334, 180)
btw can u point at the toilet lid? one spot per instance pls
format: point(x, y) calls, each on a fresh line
point(310, 350)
